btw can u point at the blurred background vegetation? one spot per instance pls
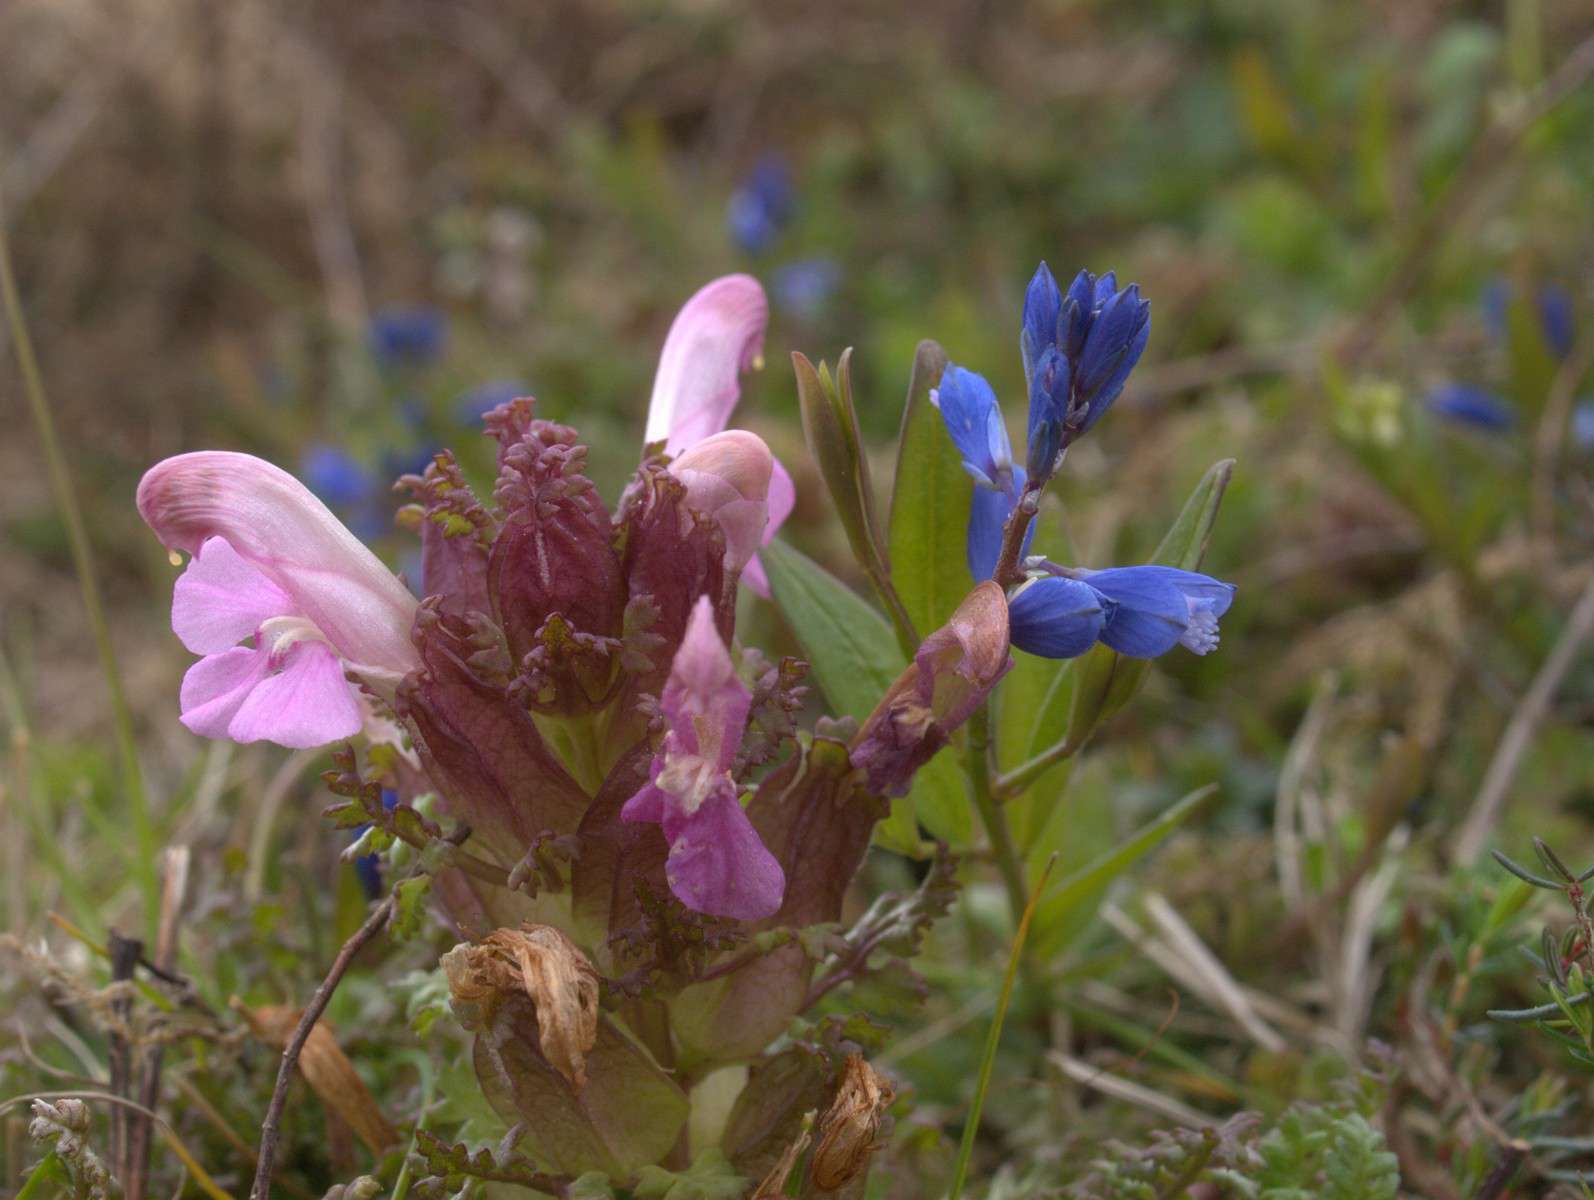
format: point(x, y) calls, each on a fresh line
point(333, 234)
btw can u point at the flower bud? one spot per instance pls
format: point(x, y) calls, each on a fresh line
point(954, 670)
point(727, 477)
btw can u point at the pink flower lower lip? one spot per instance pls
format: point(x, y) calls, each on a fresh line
point(717, 863)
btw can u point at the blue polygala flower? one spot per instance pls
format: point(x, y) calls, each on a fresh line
point(1141, 612)
point(804, 287)
point(336, 476)
point(760, 208)
point(973, 418)
point(1555, 309)
point(1464, 404)
point(1079, 348)
point(407, 337)
point(470, 408)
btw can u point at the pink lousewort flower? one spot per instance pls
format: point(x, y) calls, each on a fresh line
point(727, 477)
point(273, 569)
point(717, 335)
point(717, 863)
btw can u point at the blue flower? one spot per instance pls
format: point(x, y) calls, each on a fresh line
point(987, 519)
point(470, 408)
point(1141, 612)
point(407, 337)
point(1158, 608)
point(1467, 405)
point(1079, 349)
point(760, 208)
point(1556, 314)
point(1583, 425)
point(368, 867)
point(805, 286)
point(973, 418)
point(335, 476)
point(1056, 617)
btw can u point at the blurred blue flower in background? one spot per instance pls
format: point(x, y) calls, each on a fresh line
point(1556, 314)
point(470, 408)
point(803, 288)
point(335, 476)
point(1583, 425)
point(407, 337)
point(1463, 404)
point(368, 867)
point(762, 205)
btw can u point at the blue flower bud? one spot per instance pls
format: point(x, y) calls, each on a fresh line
point(1043, 304)
point(974, 420)
point(760, 208)
point(805, 286)
point(1116, 337)
point(1049, 402)
point(1464, 404)
point(407, 337)
point(335, 476)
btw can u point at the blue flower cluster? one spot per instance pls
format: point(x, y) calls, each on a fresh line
point(1481, 409)
point(760, 208)
point(407, 337)
point(1079, 348)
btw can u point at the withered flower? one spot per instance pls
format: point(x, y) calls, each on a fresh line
point(954, 670)
point(850, 1128)
point(550, 970)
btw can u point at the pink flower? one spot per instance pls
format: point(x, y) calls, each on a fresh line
point(717, 863)
point(273, 569)
point(727, 477)
point(717, 335)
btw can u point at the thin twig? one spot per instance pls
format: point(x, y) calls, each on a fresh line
point(1506, 1161)
point(1519, 732)
point(174, 888)
point(271, 1127)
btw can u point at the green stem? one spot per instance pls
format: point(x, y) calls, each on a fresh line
point(993, 1037)
point(992, 815)
point(907, 636)
point(146, 849)
point(1005, 787)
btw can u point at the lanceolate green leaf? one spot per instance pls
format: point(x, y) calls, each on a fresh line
point(849, 645)
point(854, 658)
point(1107, 680)
point(1069, 907)
point(930, 498)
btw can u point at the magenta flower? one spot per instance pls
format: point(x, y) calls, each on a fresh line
point(718, 334)
point(717, 864)
point(728, 477)
point(273, 569)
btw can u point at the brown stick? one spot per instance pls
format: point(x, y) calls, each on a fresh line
point(125, 953)
point(271, 1127)
point(175, 886)
point(1507, 1160)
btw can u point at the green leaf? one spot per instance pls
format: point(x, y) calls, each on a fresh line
point(1071, 905)
point(48, 1178)
point(930, 500)
point(1107, 680)
point(849, 645)
point(411, 894)
point(854, 658)
point(941, 800)
point(710, 1177)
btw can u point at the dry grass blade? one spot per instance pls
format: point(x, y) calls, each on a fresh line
point(328, 1071)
